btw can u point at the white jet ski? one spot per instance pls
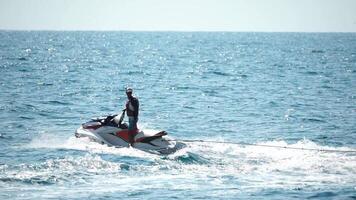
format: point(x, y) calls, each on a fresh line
point(112, 131)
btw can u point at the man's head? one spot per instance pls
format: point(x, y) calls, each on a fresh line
point(129, 92)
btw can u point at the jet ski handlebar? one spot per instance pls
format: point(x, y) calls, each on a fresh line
point(122, 116)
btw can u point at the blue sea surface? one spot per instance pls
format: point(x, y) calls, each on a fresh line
point(294, 90)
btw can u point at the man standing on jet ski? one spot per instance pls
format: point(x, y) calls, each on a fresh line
point(132, 106)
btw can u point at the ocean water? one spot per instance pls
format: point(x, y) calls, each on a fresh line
point(294, 90)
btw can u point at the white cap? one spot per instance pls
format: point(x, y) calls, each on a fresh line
point(129, 90)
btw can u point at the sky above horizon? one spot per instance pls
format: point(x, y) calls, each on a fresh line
point(180, 15)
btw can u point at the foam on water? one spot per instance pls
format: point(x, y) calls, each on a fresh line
point(214, 164)
point(50, 141)
point(294, 166)
point(60, 170)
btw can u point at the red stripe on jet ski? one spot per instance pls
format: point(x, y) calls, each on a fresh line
point(124, 134)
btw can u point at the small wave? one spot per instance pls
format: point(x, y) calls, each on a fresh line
point(221, 73)
point(243, 76)
point(318, 51)
point(311, 73)
point(314, 120)
point(183, 88)
point(25, 117)
point(322, 195)
point(5, 137)
point(54, 102)
point(134, 73)
point(24, 70)
point(207, 61)
point(45, 84)
point(190, 158)
point(32, 180)
point(30, 106)
point(326, 87)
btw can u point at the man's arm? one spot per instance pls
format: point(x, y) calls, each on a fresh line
point(137, 106)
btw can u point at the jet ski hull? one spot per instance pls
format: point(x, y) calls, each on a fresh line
point(116, 135)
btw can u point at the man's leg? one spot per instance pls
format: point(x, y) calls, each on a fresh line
point(132, 129)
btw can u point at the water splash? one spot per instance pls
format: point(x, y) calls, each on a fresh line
point(214, 164)
point(50, 141)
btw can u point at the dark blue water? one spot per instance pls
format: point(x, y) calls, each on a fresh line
point(282, 89)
